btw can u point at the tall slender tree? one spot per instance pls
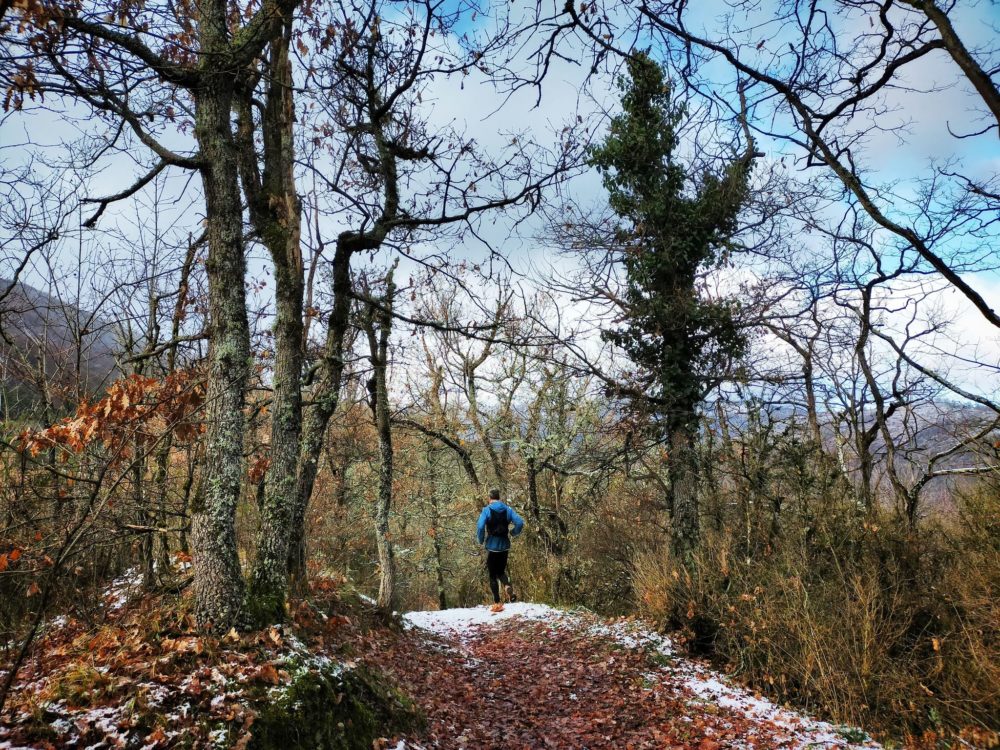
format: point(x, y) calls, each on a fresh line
point(276, 213)
point(377, 324)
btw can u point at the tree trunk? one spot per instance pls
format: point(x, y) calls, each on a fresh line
point(325, 399)
point(386, 553)
point(162, 463)
point(812, 412)
point(378, 327)
point(143, 519)
point(269, 579)
point(438, 556)
point(218, 583)
point(187, 492)
point(277, 215)
point(685, 529)
point(541, 531)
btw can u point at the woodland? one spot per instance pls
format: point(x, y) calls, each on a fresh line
point(706, 291)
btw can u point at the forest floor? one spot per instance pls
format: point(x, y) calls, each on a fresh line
point(532, 676)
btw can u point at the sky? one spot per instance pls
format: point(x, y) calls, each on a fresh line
point(569, 95)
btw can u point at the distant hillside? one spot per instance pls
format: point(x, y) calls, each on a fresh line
point(49, 345)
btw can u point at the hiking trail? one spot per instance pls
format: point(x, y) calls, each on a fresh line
point(533, 676)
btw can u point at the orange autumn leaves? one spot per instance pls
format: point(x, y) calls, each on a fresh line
point(9, 557)
point(136, 412)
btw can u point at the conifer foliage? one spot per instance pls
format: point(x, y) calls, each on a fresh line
point(674, 225)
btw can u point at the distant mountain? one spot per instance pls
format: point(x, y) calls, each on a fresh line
point(50, 346)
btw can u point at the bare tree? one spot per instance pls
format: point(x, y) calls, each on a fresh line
point(399, 181)
point(377, 325)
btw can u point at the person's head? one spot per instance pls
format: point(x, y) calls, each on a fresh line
point(494, 495)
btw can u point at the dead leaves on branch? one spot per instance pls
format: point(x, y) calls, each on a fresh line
point(135, 412)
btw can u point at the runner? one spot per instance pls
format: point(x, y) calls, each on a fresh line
point(494, 531)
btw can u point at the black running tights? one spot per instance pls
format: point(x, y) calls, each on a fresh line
point(496, 564)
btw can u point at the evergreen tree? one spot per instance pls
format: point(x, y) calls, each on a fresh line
point(674, 225)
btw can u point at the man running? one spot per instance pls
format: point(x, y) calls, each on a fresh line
point(494, 530)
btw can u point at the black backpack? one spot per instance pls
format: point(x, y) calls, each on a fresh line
point(497, 523)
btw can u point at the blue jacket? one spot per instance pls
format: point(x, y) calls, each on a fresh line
point(498, 543)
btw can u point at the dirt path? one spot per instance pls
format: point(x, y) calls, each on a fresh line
point(534, 677)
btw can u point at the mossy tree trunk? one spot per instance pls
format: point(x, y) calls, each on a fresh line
point(218, 581)
point(221, 48)
point(685, 526)
point(224, 57)
point(276, 213)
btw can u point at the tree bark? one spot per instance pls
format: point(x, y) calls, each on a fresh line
point(685, 528)
point(326, 396)
point(438, 552)
point(218, 583)
point(276, 213)
point(378, 328)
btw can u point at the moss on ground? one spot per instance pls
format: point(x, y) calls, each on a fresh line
point(332, 708)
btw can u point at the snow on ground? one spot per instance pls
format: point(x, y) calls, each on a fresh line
point(711, 687)
point(462, 622)
point(123, 588)
point(705, 685)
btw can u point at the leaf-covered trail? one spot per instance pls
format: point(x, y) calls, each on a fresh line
point(534, 677)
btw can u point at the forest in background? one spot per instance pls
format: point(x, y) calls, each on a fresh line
point(273, 311)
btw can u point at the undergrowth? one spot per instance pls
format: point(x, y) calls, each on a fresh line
point(145, 676)
point(855, 616)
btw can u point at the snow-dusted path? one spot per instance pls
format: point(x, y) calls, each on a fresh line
point(535, 677)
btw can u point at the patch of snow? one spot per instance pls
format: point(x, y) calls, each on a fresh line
point(58, 622)
point(156, 694)
point(630, 636)
point(708, 686)
point(122, 588)
point(105, 719)
point(182, 712)
point(461, 621)
point(62, 725)
point(307, 659)
point(714, 688)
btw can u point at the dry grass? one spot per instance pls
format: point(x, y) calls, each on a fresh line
point(861, 620)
